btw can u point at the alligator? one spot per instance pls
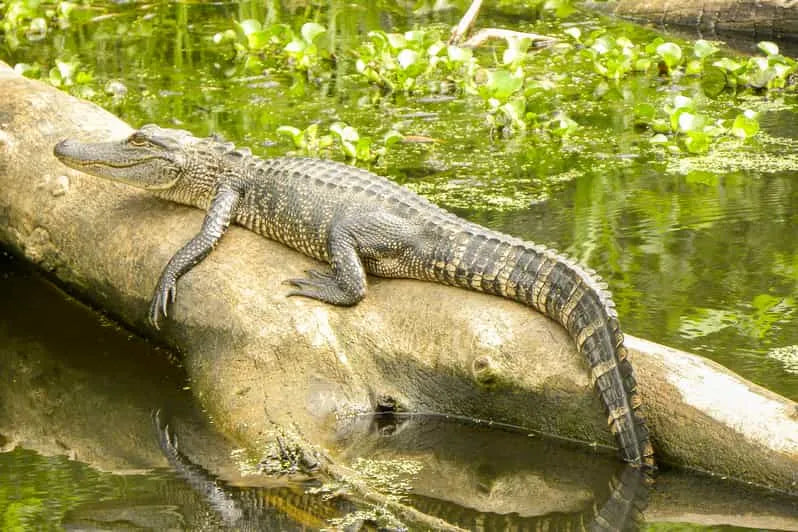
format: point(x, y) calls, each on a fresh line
point(361, 223)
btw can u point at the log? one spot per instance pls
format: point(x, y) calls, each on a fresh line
point(755, 19)
point(264, 365)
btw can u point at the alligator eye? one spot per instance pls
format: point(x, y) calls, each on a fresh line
point(137, 139)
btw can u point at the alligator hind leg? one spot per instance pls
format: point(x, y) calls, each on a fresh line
point(368, 238)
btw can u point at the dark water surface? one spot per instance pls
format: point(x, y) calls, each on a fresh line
point(701, 253)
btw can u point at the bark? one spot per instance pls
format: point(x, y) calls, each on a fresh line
point(265, 365)
point(758, 19)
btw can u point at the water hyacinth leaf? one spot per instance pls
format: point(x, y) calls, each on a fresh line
point(224, 37)
point(728, 65)
point(651, 48)
point(363, 149)
point(682, 101)
point(713, 81)
point(769, 48)
point(693, 67)
point(253, 64)
point(689, 121)
point(311, 30)
point(248, 26)
point(697, 142)
point(37, 29)
point(602, 45)
point(396, 41)
point(345, 132)
point(257, 40)
point(66, 70)
point(745, 125)
point(502, 83)
point(676, 116)
point(514, 111)
point(671, 53)
point(458, 54)
point(435, 49)
point(573, 32)
point(407, 58)
point(295, 47)
point(349, 149)
point(415, 36)
point(292, 133)
point(642, 64)
point(645, 112)
point(392, 137)
point(702, 49)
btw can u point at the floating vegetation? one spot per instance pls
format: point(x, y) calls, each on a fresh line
point(788, 356)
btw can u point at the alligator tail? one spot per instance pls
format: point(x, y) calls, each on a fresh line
point(573, 296)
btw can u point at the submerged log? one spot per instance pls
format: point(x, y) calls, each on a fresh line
point(265, 365)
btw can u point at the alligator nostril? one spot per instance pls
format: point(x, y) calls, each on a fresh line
point(60, 148)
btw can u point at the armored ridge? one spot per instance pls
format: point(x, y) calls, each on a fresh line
point(362, 223)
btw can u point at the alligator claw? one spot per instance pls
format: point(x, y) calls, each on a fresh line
point(165, 293)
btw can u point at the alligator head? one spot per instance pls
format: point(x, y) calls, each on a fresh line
point(151, 158)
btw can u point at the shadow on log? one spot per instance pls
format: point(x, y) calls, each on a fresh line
point(266, 366)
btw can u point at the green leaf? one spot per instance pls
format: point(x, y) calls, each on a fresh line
point(363, 149)
point(345, 132)
point(224, 37)
point(697, 142)
point(702, 49)
point(728, 64)
point(671, 53)
point(713, 81)
point(574, 32)
point(745, 125)
point(292, 133)
point(249, 26)
point(392, 137)
point(769, 48)
point(501, 84)
point(407, 58)
point(681, 101)
point(459, 55)
point(645, 112)
point(253, 63)
point(295, 47)
point(415, 36)
point(257, 40)
point(396, 41)
point(311, 30)
point(689, 121)
point(693, 67)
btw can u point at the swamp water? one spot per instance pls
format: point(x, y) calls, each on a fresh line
point(700, 252)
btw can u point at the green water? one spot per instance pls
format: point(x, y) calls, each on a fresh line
point(701, 252)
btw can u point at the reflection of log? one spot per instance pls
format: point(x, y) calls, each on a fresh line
point(265, 364)
point(759, 19)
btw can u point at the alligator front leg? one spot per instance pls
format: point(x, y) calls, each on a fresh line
point(370, 238)
point(216, 222)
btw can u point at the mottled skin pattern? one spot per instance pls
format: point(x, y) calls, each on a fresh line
point(362, 223)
